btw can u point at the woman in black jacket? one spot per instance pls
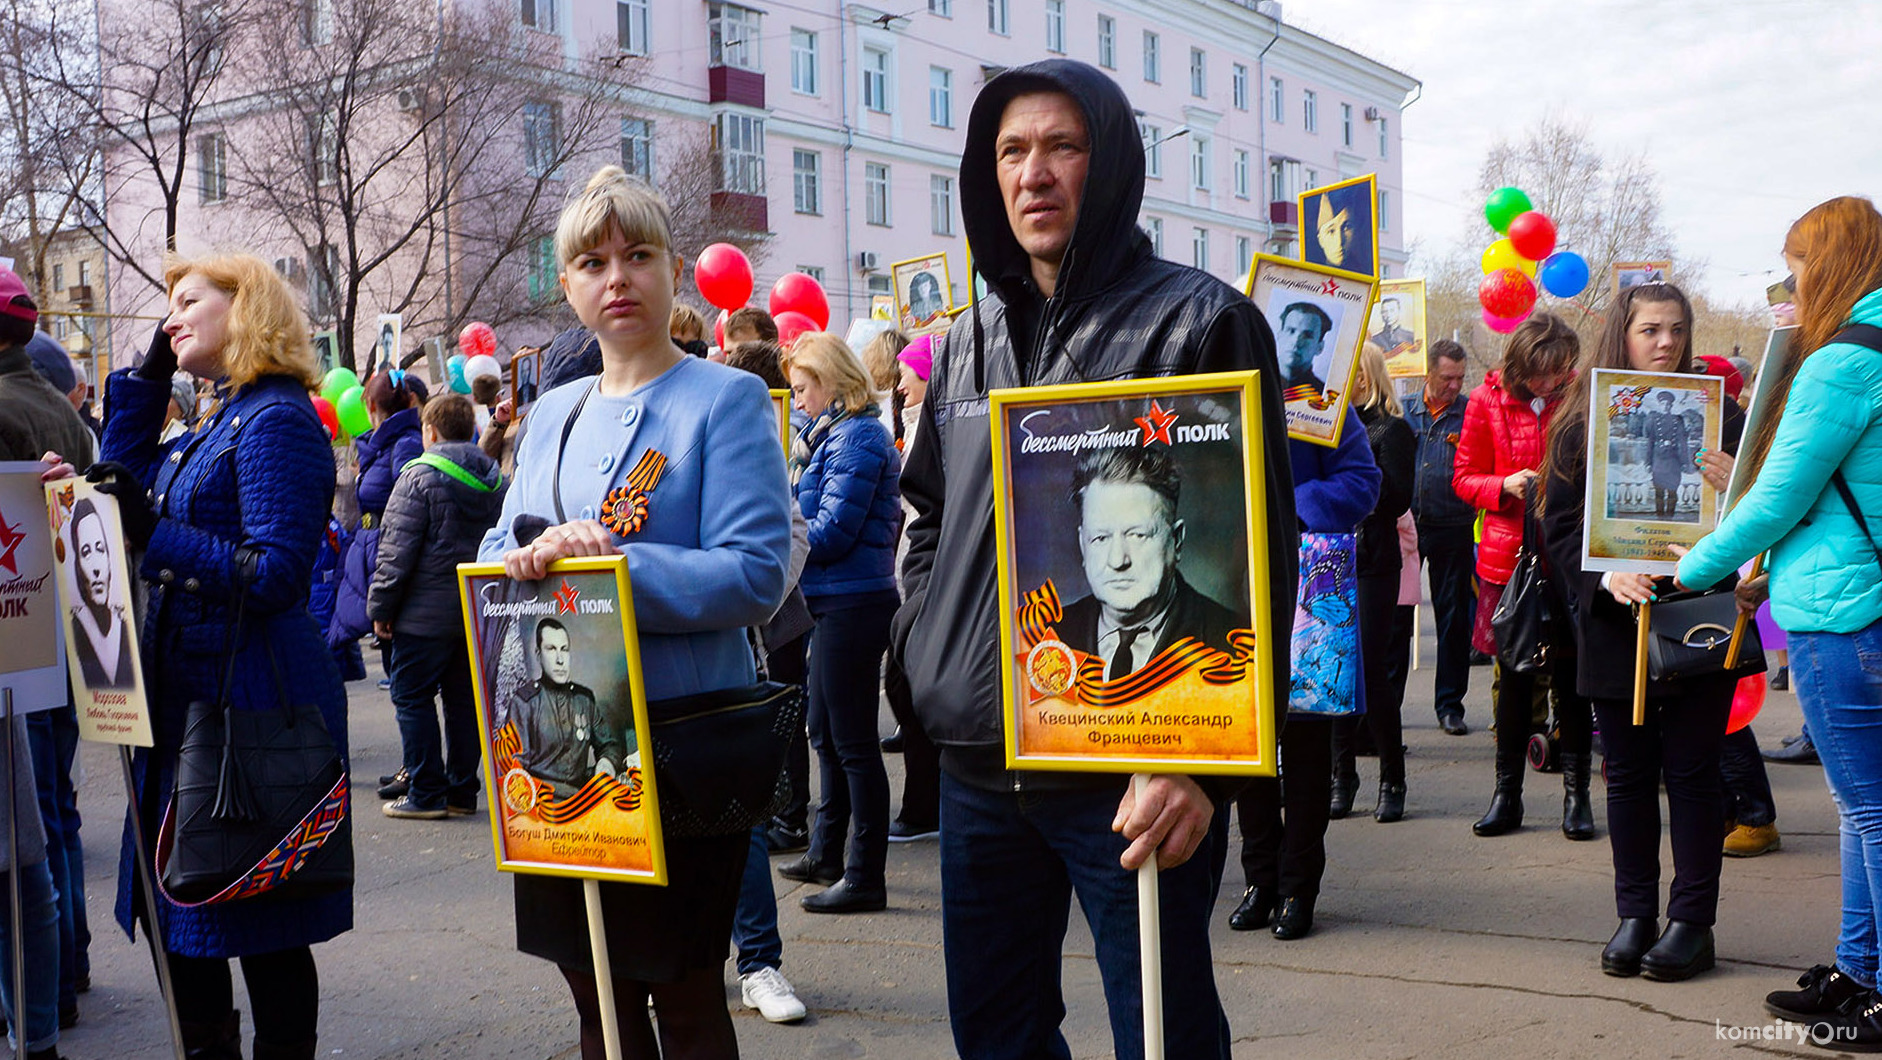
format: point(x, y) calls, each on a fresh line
point(1395, 450)
point(1648, 331)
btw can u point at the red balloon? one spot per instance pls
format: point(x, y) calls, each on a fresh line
point(723, 274)
point(1533, 235)
point(477, 340)
point(1747, 701)
point(329, 416)
point(796, 292)
point(791, 324)
point(1507, 293)
point(718, 328)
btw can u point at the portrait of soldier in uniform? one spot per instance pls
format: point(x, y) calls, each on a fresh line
point(1301, 340)
point(563, 736)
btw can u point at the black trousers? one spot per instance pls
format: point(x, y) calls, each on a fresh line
point(1515, 709)
point(283, 993)
point(1284, 819)
point(921, 759)
point(790, 664)
point(1748, 798)
point(1679, 745)
point(1451, 553)
point(1378, 598)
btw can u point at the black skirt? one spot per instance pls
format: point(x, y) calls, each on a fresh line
point(655, 934)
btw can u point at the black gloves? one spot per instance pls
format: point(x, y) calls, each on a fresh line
point(160, 360)
point(135, 511)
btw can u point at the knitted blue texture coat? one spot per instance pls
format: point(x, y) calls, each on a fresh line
point(850, 494)
point(267, 448)
point(383, 453)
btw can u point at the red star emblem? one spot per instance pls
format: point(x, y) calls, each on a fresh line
point(1156, 424)
point(565, 598)
point(1330, 287)
point(10, 538)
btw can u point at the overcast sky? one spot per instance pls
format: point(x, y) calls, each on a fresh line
point(1751, 112)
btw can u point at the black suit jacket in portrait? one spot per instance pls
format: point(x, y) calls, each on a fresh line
point(1191, 615)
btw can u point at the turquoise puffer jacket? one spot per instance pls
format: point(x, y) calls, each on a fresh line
point(1824, 576)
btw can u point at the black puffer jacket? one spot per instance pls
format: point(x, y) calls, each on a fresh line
point(1118, 313)
point(433, 522)
point(1395, 450)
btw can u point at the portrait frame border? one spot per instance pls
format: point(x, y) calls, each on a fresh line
point(781, 401)
point(630, 638)
point(1404, 287)
point(1365, 320)
point(1594, 523)
point(900, 305)
point(1300, 215)
point(1247, 387)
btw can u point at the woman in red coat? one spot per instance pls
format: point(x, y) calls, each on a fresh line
point(1498, 452)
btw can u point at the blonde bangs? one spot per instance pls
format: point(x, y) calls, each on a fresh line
point(612, 201)
point(268, 333)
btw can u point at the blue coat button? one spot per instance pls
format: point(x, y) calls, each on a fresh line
point(607, 463)
point(588, 511)
point(629, 415)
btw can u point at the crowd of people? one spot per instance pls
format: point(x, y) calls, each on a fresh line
point(858, 561)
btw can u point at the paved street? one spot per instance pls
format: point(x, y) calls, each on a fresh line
point(1428, 941)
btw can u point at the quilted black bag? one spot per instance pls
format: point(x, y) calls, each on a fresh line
point(719, 756)
point(1524, 613)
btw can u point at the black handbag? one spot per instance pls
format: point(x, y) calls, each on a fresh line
point(260, 807)
point(1689, 635)
point(719, 756)
point(1524, 613)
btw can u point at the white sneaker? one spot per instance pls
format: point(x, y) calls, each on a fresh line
point(770, 993)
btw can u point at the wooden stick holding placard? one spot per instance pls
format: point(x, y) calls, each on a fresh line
point(17, 970)
point(152, 934)
point(1738, 627)
point(604, 975)
point(1150, 940)
point(1644, 617)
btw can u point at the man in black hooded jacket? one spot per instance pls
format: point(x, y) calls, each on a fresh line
point(1075, 295)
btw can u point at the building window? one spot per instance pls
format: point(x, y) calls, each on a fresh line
point(1385, 272)
point(1244, 255)
point(804, 62)
point(1241, 174)
point(1153, 149)
point(880, 283)
point(323, 149)
point(1313, 179)
point(1153, 58)
point(1346, 124)
point(1310, 110)
point(212, 167)
point(1382, 138)
point(1283, 179)
point(323, 277)
point(1385, 210)
point(876, 193)
point(1055, 26)
point(996, 16)
point(632, 25)
point(316, 22)
point(84, 274)
point(1277, 101)
point(1198, 73)
point(542, 270)
point(540, 14)
point(806, 181)
point(944, 8)
point(1199, 163)
point(1199, 248)
point(741, 146)
point(815, 272)
point(637, 148)
point(541, 138)
point(876, 80)
point(732, 36)
point(1153, 227)
point(941, 97)
point(1107, 42)
point(58, 278)
point(1238, 84)
point(941, 204)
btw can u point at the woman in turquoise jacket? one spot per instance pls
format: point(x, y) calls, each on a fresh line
point(1815, 501)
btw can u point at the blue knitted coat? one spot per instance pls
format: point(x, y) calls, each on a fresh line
point(267, 448)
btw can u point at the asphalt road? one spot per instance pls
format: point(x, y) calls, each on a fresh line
point(1429, 942)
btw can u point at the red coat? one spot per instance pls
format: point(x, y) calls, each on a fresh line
point(1502, 435)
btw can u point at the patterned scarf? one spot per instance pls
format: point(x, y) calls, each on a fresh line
point(813, 435)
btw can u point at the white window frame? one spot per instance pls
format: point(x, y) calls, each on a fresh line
point(807, 181)
point(316, 22)
point(1346, 125)
point(543, 269)
point(1385, 210)
point(58, 277)
point(1310, 110)
point(941, 97)
point(323, 145)
point(1199, 163)
point(1244, 254)
point(1283, 179)
point(637, 148)
point(1238, 85)
point(815, 272)
point(803, 61)
point(998, 18)
point(1153, 57)
point(941, 204)
point(734, 34)
point(944, 8)
point(1384, 140)
point(1153, 148)
point(739, 139)
point(1107, 42)
point(1198, 73)
point(1240, 175)
point(540, 14)
point(1153, 226)
point(212, 171)
point(1199, 248)
point(1277, 101)
point(877, 205)
point(542, 135)
point(1055, 26)
point(633, 26)
point(877, 68)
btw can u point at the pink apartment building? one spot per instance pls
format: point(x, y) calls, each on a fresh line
point(838, 126)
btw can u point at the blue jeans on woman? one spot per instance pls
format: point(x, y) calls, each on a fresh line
point(39, 919)
point(1838, 681)
point(845, 698)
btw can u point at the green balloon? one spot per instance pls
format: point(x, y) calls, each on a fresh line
point(351, 406)
point(337, 382)
point(1504, 206)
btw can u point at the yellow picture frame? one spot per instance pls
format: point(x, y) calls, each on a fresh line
point(1310, 248)
point(616, 815)
point(1405, 358)
point(1346, 299)
point(902, 276)
point(1042, 723)
point(781, 401)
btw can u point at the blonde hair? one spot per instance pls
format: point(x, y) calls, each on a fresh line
point(881, 356)
point(267, 333)
point(1373, 387)
point(612, 200)
point(686, 323)
point(829, 360)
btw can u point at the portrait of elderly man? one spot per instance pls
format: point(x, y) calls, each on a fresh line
point(1131, 543)
point(98, 629)
point(1302, 338)
point(563, 737)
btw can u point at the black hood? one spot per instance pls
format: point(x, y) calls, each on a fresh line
point(1106, 239)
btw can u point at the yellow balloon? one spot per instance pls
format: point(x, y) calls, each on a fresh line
point(1502, 255)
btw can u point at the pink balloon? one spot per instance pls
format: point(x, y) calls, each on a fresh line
point(1502, 325)
point(797, 292)
point(1747, 701)
point(723, 274)
point(718, 328)
point(791, 324)
point(477, 340)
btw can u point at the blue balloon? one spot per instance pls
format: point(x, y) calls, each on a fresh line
point(454, 365)
point(1564, 274)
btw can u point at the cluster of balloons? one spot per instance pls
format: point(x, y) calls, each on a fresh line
point(797, 302)
point(342, 404)
point(1522, 258)
point(477, 344)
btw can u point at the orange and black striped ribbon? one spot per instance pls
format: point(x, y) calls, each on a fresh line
point(1041, 608)
point(625, 796)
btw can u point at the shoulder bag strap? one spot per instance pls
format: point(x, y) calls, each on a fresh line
point(1865, 335)
point(1849, 501)
point(568, 428)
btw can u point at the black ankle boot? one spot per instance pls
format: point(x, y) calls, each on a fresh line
point(1825, 991)
point(214, 1041)
point(1684, 950)
point(1634, 937)
point(1345, 789)
point(1255, 910)
point(1391, 803)
point(1577, 814)
point(1295, 919)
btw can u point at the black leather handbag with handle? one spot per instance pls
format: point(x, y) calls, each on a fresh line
point(1689, 635)
point(1522, 622)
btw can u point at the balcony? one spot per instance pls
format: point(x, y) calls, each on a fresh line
point(730, 84)
point(1282, 212)
point(741, 211)
point(79, 295)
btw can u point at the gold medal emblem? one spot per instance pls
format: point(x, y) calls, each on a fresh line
point(1051, 668)
point(519, 790)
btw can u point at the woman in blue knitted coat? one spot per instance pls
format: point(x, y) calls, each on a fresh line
point(250, 487)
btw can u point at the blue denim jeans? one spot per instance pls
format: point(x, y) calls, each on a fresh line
point(424, 669)
point(1838, 681)
point(1010, 862)
point(755, 923)
point(53, 735)
point(39, 919)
